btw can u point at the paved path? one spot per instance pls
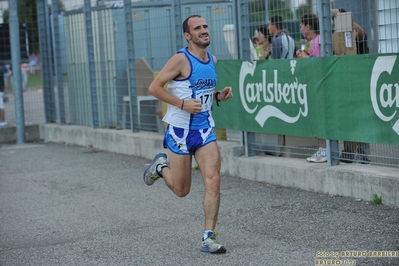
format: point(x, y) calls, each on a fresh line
point(68, 205)
point(33, 107)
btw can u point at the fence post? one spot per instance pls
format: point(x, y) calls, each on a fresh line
point(16, 65)
point(324, 9)
point(58, 61)
point(243, 33)
point(131, 73)
point(176, 9)
point(46, 55)
point(325, 27)
point(91, 65)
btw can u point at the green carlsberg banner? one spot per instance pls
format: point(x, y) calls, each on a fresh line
point(353, 98)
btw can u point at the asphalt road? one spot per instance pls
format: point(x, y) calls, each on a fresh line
point(68, 205)
point(33, 107)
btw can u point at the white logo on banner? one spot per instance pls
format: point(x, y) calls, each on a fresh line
point(388, 94)
point(273, 92)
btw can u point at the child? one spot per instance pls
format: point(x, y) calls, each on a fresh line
point(309, 24)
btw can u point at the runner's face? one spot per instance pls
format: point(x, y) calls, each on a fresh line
point(199, 33)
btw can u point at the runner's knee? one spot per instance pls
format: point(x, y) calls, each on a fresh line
point(181, 192)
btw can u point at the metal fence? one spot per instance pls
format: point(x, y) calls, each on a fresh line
point(98, 59)
point(22, 76)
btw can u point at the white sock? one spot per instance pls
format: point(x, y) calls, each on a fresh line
point(207, 234)
point(160, 167)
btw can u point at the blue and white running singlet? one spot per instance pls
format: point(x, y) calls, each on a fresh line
point(200, 84)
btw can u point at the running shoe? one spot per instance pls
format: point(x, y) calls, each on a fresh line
point(211, 245)
point(151, 173)
point(319, 157)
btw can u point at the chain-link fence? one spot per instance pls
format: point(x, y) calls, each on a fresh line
point(97, 58)
point(24, 72)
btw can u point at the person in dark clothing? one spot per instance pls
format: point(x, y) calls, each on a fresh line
point(355, 151)
point(283, 45)
point(361, 36)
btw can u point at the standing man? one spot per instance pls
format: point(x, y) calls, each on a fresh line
point(355, 151)
point(283, 45)
point(191, 77)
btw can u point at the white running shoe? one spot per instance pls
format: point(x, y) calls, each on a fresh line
point(319, 157)
point(211, 245)
point(151, 174)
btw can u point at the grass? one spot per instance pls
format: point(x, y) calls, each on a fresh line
point(376, 200)
point(34, 81)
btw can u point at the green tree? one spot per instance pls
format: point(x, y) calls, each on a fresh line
point(279, 8)
point(304, 9)
point(27, 14)
point(257, 10)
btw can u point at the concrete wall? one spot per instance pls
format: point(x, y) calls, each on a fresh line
point(9, 134)
point(352, 180)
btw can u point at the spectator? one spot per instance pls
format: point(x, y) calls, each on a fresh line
point(255, 41)
point(309, 24)
point(33, 64)
point(263, 48)
point(32, 60)
point(283, 45)
point(7, 73)
point(357, 151)
point(24, 77)
point(361, 36)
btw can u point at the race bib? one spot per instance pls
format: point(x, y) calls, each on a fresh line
point(206, 98)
